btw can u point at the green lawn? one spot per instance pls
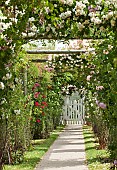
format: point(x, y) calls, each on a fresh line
point(96, 159)
point(36, 152)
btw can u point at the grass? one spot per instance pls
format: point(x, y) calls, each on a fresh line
point(36, 152)
point(96, 159)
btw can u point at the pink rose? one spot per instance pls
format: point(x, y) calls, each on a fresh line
point(89, 77)
point(99, 87)
point(102, 105)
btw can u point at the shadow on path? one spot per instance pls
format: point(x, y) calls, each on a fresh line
point(67, 152)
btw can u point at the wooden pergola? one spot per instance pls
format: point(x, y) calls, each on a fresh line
point(55, 52)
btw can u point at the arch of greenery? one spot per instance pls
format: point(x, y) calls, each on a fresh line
point(96, 72)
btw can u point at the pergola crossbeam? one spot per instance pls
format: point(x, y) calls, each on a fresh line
point(39, 60)
point(58, 51)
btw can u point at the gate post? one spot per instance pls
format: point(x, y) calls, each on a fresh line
point(83, 110)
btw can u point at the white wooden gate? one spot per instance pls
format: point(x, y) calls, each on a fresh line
point(73, 109)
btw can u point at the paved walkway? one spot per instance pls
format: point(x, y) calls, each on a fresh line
point(67, 152)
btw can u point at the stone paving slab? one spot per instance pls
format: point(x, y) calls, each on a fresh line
point(67, 152)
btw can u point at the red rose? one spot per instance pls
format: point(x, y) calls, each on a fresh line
point(36, 94)
point(38, 120)
point(42, 107)
point(35, 85)
point(43, 113)
point(37, 104)
point(44, 103)
point(43, 96)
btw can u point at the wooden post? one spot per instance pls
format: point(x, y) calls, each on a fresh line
point(25, 81)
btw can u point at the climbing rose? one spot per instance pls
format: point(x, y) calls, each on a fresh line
point(102, 105)
point(37, 104)
point(8, 76)
point(33, 88)
point(43, 113)
point(35, 85)
point(115, 162)
point(3, 100)
point(43, 96)
point(1, 85)
point(92, 72)
point(38, 120)
point(105, 51)
point(49, 69)
point(36, 94)
point(42, 107)
point(89, 77)
point(17, 112)
point(97, 102)
point(99, 87)
point(44, 103)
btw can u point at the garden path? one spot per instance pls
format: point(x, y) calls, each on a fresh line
point(67, 152)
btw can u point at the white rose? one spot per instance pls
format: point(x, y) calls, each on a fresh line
point(12, 86)
point(31, 34)
point(91, 14)
point(88, 77)
point(86, 22)
point(105, 52)
point(17, 112)
point(110, 47)
point(62, 1)
point(3, 78)
point(98, 1)
point(69, 2)
point(7, 2)
point(31, 19)
point(105, 17)
point(34, 28)
point(47, 29)
point(16, 80)
point(80, 26)
point(108, 3)
point(8, 76)
point(113, 22)
point(85, 1)
point(102, 28)
point(47, 10)
point(24, 34)
point(110, 14)
point(115, 13)
point(2, 85)
point(97, 21)
point(3, 100)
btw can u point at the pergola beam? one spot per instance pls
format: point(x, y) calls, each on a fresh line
point(57, 51)
point(39, 60)
point(46, 37)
